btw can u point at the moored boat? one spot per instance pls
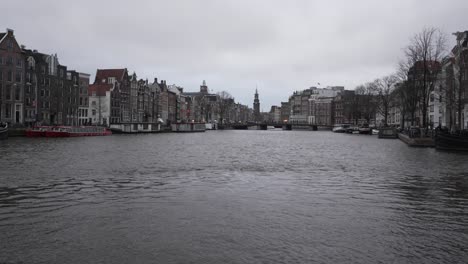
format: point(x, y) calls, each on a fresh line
point(68, 131)
point(340, 128)
point(188, 127)
point(388, 132)
point(38, 131)
point(364, 129)
point(451, 141)
point(3, 130)
point(352, 130)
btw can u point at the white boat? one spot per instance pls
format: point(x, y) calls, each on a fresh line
point(340, 128)
point(375, 131)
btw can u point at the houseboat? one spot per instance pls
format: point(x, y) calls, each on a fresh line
point(188, 127)
point(445, 140)
point(68, 131)
point(388, 132)
point(3, 130)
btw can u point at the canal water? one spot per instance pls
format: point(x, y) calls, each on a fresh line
point(231, 197)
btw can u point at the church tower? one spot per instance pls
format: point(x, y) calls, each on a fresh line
point(204, 88)
point(256, 106)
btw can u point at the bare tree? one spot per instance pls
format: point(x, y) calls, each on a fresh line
point(406, 95)
point(224, 104)
point(365, 95)
point(426, 51)
point(384, 88)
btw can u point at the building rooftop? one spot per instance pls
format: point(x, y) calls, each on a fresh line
point(101, 74)
point(100, 89)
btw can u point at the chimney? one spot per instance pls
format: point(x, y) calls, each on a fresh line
point(10, 32)
point(155, 80)
point(23, 47)
point(35, 51)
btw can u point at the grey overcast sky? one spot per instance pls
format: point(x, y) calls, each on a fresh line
point(279, 46)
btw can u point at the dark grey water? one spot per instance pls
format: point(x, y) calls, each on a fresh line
point(231, 197)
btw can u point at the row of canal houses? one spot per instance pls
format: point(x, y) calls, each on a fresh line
point(447, 104)
point(35, 89)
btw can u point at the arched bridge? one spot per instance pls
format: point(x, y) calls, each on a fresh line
point(283, 125)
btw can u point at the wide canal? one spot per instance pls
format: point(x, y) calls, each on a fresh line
point(231, 197)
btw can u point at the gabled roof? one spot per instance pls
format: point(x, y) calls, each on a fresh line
point(100, 89)
point(101, 74)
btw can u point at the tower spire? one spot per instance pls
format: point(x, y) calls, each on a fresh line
point(256, 106)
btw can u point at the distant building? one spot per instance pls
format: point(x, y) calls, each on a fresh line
point(285, 111)
point(52, 93)
point(12, 71)
point(101, 105)
point(202, 106)
point(321, 105)
point(299, 105)
point(344, 107)
point(275, 114)
point(83, 104)
point(120, 93)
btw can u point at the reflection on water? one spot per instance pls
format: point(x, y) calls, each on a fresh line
point(231, 197)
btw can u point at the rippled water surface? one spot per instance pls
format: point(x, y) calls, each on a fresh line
point(231, 197)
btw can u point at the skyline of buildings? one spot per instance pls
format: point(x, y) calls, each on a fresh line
point(36, 89)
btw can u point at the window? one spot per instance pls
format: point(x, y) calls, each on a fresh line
point(93, 103)
point(17, 93)
point(47, 92)
point(94, 112)
point(432, 97)
point(10, 44)
point(9, 76)
point(1, 75)
point(9, 60)
point(8, 92)
point(42, 92)
point(18, 77)
point(1, 60)
point(7, 110)
point(19, 63)
point(431, 108)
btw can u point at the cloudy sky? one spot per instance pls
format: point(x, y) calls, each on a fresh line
point(279, 46)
